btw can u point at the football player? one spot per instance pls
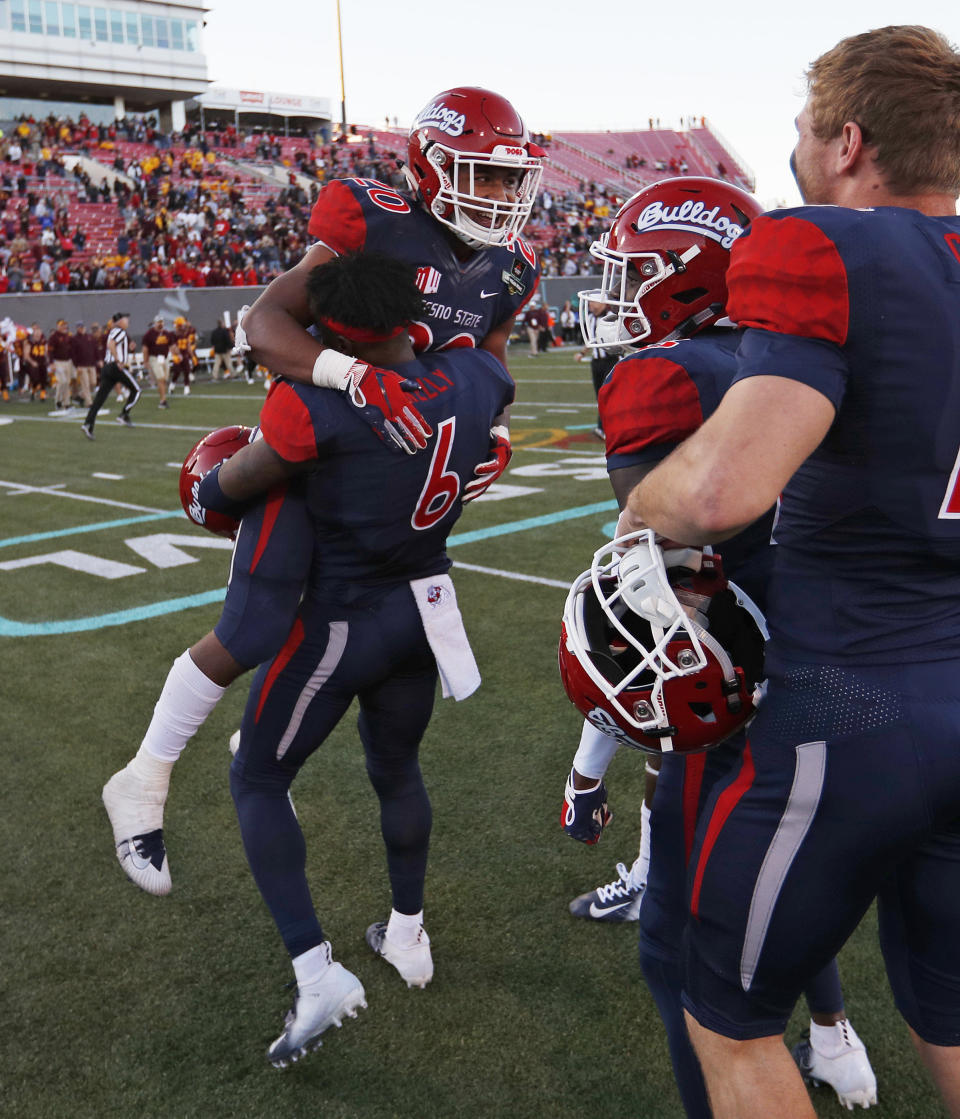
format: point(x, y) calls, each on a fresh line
point(9, 358)
point(186, 336)
point(845, 403)
point(63, 370)
point(266, 582)
point(473, 176)
point(156, 345)
point(36, 356)
point(664, 293)
point(180, 362)
point(377, 620)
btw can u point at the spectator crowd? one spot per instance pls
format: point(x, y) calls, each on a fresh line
point(185, 209)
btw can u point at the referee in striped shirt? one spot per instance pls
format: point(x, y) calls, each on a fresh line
point(116, 370)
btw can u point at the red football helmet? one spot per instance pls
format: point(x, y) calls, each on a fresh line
point(459, 133)
point(212, 449)
point(665, 261)
point(661, 662)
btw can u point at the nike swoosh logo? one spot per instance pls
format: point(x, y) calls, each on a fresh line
point(488, 294)
point(130, 852)
point(596, 911)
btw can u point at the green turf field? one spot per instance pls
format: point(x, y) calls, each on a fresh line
point(120, 1004)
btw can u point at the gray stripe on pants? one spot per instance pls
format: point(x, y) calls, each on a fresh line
point(336, 643)
point(797, 817)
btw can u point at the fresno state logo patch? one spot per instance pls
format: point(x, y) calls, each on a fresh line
point(436, 595)
point(441, 118)
point(428, 279)
point(693, 217)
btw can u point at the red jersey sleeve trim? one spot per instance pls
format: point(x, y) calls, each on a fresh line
point(337, 219)
point(286, 424)
point(647, 402)
point(788, 277)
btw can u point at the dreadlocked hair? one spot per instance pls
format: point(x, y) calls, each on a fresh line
point(365, 290)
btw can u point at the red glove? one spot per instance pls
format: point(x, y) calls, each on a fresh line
point(380, 396)
point(488, 472)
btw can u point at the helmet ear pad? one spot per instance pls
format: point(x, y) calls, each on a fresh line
point(613, 656)
point(737, 631)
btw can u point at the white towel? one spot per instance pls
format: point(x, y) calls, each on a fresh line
point(443, 624)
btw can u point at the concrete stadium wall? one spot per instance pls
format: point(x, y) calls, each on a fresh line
point(202, 306)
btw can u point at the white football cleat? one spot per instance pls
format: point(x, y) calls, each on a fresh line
point(136, 816)
point(848, 1071)
point(338, 994)
point(415, 964)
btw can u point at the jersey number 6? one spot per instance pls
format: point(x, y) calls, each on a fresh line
point(442, 486)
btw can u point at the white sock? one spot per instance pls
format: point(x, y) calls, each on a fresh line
point(151, 772)
point(830, 1041)
point(309, 967)
point(594, 753)
point(641, 864)
point(403, 929)
point(188, 697)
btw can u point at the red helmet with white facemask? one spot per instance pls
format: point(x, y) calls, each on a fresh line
point(665, 261)
point(661, 660)
point(460, 144)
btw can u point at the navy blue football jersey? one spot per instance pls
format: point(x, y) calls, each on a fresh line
point(864, 307)
point(379, 516)
point(655, 398)
point(464, 299)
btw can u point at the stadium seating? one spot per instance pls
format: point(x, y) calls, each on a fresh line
point(584, 171)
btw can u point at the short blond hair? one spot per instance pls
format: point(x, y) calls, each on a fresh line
point(901, 85)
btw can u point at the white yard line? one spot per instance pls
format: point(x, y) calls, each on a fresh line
point(511, 575)
point(58, 491)
point(136, 423)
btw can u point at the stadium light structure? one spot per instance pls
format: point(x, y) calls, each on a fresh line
point(343, 93)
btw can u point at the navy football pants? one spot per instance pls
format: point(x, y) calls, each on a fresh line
point(682, 787)
point(376, 652)
point(268, 571)
point(849, 790)
point(315, 658)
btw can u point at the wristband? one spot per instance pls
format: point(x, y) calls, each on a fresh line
point(500, 432)
point(212, 497)
point(334, 370)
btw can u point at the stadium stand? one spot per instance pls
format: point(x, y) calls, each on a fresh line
point(86, 206)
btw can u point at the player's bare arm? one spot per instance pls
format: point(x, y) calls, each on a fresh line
point(275, 324)
point(731, 471)
point(626, 478)
point(254, 470)
point(496, 341)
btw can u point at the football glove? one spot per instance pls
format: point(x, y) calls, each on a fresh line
point(488, 472)
point(585, 813)
point(380, 396)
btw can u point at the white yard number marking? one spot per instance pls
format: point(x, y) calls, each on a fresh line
point(162, 549)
